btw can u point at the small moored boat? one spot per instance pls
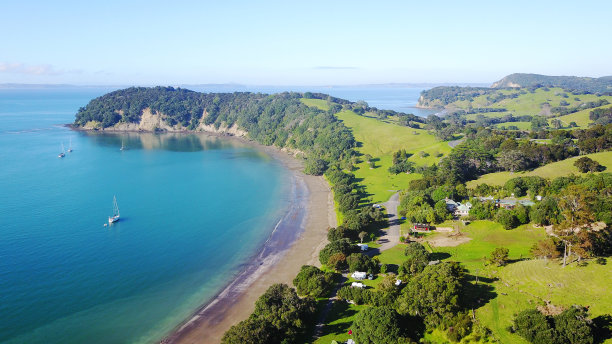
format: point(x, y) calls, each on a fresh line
point(115, 217)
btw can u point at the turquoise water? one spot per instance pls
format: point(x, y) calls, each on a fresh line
point(193, 210)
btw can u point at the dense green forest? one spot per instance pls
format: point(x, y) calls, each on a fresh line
point(280, 119)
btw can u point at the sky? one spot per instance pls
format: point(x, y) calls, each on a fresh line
point(300, 42)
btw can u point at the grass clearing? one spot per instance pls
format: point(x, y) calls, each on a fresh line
point(316, 103)
point(380, 140)
point(556, 169)
point(581, 117)
point(339, 322)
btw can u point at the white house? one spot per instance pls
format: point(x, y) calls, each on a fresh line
point(463, 209)
point(357, 285)
point(359, 275)
point(398, 282)
point(363, 247)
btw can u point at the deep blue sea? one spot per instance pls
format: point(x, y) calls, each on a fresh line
point(194, 209)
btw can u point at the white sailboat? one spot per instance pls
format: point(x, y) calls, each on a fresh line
point(115, 217)
point(70, 146)
point(62, 154)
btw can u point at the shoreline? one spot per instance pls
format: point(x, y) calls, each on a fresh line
point(296, 240)
point(299, 245)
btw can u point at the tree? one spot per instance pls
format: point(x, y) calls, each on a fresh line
point(361, 262)
point(535, 327)
point(513, 160)
point(284, 310)
point(545, 248)
point(575, 205)
point(538, 123)
point(249, 331)
point(375, 325)
point(417, 259)
point(315, 167)
point(586, 164)
point(343, 246)
point(499, 256)
point(337, 261)
point(506, 218)
point(280, 316)
point(434, 294)
point(312, 281)
point(574, 326)
point(362, 235)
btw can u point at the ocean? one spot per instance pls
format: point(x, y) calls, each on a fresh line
point(194, 210)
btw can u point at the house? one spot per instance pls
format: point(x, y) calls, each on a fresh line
point(508, 203)
point(357, 285)
point(421, 227)
point(538, 198)
point(398, 282)
point(451, 205)
point(359, 275)
point(350, 341)
point(463, 209)
point(363, 247)
point(377, 206)
point(433, 262)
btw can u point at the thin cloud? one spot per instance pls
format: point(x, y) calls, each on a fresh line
point(42, 69)
point(335, 67)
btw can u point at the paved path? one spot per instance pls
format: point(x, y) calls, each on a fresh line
point(392, 234)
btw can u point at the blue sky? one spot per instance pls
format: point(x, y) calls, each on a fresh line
point(300, 43)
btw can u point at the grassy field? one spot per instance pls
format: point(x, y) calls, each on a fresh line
point(519, 125)
point(522, 284)
point(529, 103)
point(556, 169)
point(380, 140)
point(529, 283)
point(317, 103)
point(581, 117)
point(486, 236)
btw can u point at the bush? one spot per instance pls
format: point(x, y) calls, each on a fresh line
point(312, 281)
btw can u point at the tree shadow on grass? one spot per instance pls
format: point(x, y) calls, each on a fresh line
point(340, 310)
point(603, 328)
point(478, 294)
point(439, 256)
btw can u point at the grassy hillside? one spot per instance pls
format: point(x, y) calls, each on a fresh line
point(525, 102)
point(525, 284)
point(380, 140)
point(581, 117)
point(556, 169)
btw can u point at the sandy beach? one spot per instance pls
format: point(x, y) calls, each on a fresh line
point(278, 261)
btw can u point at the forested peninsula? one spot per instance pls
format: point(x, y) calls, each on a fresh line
point(280, 120)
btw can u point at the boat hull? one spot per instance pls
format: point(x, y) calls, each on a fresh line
point(113, 219)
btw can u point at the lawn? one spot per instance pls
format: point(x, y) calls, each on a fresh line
point(556, 169)
point(526, 284)
point(486, 236)
point(339, 321)
point(380, 140)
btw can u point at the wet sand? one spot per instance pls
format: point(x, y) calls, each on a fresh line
point(296, 241)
